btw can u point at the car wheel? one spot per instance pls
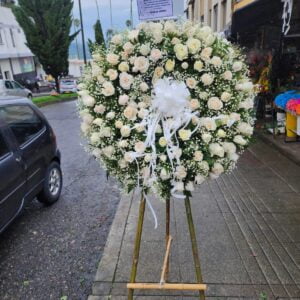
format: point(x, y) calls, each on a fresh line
point(52, 184)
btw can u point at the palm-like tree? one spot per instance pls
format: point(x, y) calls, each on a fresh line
point(76, 23)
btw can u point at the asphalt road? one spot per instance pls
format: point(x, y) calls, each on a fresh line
point(53, 252)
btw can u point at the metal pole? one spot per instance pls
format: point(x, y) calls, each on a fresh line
point(111, 20)
point(82, 32)
point(131, 15)
point(167, 233)
point(137, 245)
point(194, 243)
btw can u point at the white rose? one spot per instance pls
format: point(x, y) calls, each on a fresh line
point(87, 118)
point(247, 104)
point(130, 112)
point(99, 109)
point(214, 103)
point(96, 152)
point(217, 168)
point(145, 49)
point(142, 113)
point(181, 51)
point(207, 79)
point(198, 65)
point(118, 124)
point(191, 82)
point(175, 41)
point(100, 79)
point(98, 122)
point(170, 27)
point(238, 139)
point(95, 138)
point(112, 58)
point(180, 172)
point(108, 151)
point(88, 100)
point(199, 179)
point(117, 39)
point(185, 134)
point(96, 70)
point(208, 123)
point(162, 141)
point(141, 64)
point(125, 131)
point(216, 61)
point(194, 104)
point(204, 32)
point(139, 147)
point(155, 54)
point(110, 115)
point(128, 157)
point(105, 132)
point(108, 89)
point(164, 175)
point(159, 72)
point(245, 129)
point(190, 186)
point(233, 156)
point(147, 157)
point(112, 74)
point(126, 80)
point(245, 86)
point(123, 99)
point(204, 165)
point(234, 117)
point(157, 36)
point(216, 149)
point(123, 144)
point(170, 64)
point(163, 158)
point(198, 156)
point(128, 48)
point(144, 87)
point(210, 39)
point(221, 133)
point(237, 66)
point(184, 65)
point(229, 147)
point(225, 97)
point(123, 66)
point(203, 95)
point(179, 186)
point(133, 35)
point(193, 45)
point(206, 53)
point(85, 128)
point(122, 163)
point(227, 75)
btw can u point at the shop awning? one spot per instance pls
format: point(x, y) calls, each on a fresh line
point(252, 14)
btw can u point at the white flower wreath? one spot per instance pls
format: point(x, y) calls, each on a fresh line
point(166, 106)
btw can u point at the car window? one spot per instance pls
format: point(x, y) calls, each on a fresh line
point(22, 120)
point(3, 147)
point(8, 85)
point(16, 85)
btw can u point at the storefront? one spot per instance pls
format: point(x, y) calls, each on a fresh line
point(269, 31)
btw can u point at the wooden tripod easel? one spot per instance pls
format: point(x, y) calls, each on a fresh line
point(163, 285)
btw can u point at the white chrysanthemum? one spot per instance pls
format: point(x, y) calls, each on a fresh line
point(216, 149)
point(229, 147)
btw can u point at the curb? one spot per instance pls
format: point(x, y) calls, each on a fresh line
point(281, 148)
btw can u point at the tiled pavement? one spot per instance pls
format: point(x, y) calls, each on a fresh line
point(248, 231)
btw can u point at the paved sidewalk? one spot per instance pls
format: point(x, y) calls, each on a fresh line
point(248, 230)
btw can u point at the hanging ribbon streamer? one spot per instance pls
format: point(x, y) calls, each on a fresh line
point(287, 15)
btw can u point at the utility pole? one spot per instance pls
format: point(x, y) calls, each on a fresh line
point(131, 16)
point(111, 20)
point(82, 33)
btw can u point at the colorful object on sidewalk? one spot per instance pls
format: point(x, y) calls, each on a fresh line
point(282, 99)
point(293, 105)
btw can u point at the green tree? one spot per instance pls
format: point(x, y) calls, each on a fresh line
point(99, 38)
point(47, 25)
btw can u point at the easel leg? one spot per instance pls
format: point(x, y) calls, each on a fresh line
point(167, 232)
point(137, 245)
point(194, 244)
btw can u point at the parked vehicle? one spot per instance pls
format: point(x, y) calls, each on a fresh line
point(13, 88)
point(68, 86)
point(29, 158)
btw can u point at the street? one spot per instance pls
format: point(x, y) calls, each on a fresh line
point(52, 252)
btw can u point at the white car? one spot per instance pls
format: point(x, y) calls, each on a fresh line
point(13, 88)
point(68, 86)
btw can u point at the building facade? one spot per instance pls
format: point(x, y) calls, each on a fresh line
point(214, 13)
point(16, 60)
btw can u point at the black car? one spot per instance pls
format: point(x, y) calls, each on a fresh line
point(29, 158)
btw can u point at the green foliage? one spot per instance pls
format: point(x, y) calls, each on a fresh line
point(47, 24)
point(51, 99)
point(99, 38)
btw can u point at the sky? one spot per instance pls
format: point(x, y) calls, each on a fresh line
point(120, 13)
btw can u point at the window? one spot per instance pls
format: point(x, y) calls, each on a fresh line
point(23, 121)
point(3, 147)
point(16, 85)
point(224, 12)
point(6, 75)
point(8, 85)
point(12, 37)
